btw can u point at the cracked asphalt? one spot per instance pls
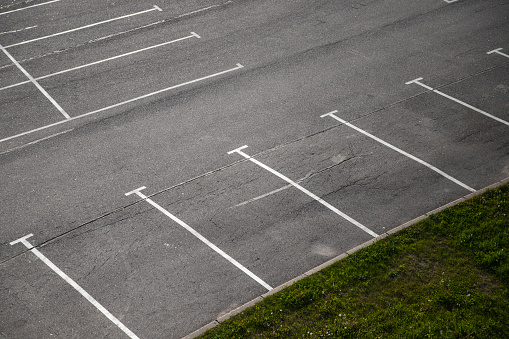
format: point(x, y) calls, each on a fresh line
point(65, 181)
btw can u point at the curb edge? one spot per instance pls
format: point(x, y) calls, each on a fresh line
point(276, 289)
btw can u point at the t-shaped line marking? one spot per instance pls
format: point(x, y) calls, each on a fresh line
point(417, 81)
point(239, 150)
point(293, 183)
point(498, 52)
point(137, 192)
point(24, 241)
point(199, 236)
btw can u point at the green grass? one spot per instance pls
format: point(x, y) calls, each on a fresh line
point(444, 277)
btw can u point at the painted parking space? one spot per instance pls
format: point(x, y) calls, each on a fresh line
point(485, 92)
point(119, 249)
point(97, 100)
point(24, 240)
point(200, 237)
point(127, 260)
point(63, 26)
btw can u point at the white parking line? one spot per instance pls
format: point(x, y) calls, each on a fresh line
point(239, 66)
point(450, 1)
point(291, 182)
point(43, 91)
point(200, 237)
point(77, 287)
point(18, 30)
point(498, 52)
point(331, 114)
point(416, 81)
point(193, 34)
point(21, 9)
point(155, 8)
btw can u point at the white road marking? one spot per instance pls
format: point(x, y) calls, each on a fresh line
point(43, 91)
point(416, 81)
point(21, 9)
point(450, 1)
point(199, 236)
point(77, 287)
point(18, 30)
point(264, 195)
point(193, 34)
point(239, 66)
point(203, 9)
point(498, 52)
point(331, 114)
point(307, 176)
point(291, 182)
point(155, 8)
point(36, 141)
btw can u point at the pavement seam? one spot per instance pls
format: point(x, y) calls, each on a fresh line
point(328, 263)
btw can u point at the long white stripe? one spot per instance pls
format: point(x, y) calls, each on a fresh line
point(200, 237)
point(291, 182)
point(43, 91)
point(193, 34)
point(331, 114)
point(77, 287)
point(416, 81)
point(471, 107)
point(21, 9)
point(121, 103)
point(83, 27)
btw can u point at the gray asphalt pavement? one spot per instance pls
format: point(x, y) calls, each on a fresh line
point(100, 98)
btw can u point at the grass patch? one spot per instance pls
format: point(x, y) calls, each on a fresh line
point(444, 277)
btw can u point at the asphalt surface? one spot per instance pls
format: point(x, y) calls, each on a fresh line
point(256, 73)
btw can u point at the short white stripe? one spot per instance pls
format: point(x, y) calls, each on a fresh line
point(18, 30)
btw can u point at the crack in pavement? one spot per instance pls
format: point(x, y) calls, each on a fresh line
point(307, 176)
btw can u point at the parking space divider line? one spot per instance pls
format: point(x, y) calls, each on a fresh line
point(220, 319)
point(199, 236)
point(331, 114)
point(239, 66)
point(193, 34)
point(77, 287)
point(417, 81)
point(28, 7)
point(43, 91)
point(294, 184)
point(155, 8)
point(498, 52)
